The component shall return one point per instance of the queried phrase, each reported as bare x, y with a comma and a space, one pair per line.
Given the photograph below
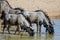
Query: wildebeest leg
8, 28
17, 29
40, 27
46, 29
4, 22
37, 27
4, 27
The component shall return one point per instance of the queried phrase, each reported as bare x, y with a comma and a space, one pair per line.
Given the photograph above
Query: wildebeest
39, 17
47, 22
18, 20
9, 16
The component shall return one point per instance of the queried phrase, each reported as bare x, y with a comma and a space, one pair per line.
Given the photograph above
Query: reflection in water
49, 37
36, 37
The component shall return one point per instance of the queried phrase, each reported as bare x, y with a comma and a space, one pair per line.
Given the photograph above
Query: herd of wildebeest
23, 19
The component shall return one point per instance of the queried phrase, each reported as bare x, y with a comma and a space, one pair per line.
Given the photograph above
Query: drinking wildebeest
18, 20
25, 24
47, 22
39, 17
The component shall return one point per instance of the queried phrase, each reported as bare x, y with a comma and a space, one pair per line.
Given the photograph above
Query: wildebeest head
28, 29
51, 29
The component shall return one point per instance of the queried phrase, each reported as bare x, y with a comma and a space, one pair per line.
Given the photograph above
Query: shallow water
37, 36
